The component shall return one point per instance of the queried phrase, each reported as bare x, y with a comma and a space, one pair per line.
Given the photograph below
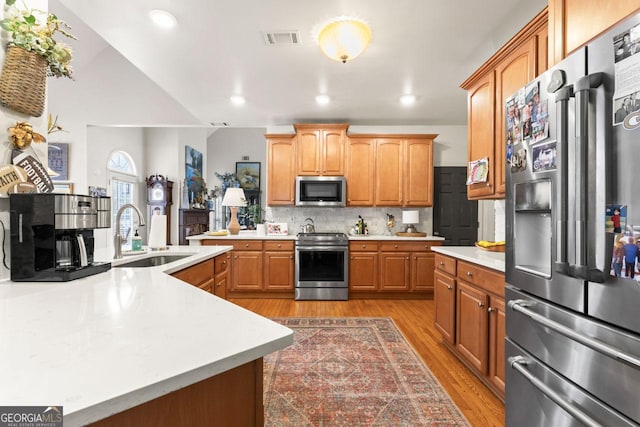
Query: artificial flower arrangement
36, 35
22, 134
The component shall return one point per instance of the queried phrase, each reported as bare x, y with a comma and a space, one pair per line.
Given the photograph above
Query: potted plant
32, 54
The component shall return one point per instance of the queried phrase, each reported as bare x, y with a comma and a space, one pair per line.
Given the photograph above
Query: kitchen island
122, 340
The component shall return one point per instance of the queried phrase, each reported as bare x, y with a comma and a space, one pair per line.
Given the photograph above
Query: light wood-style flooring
415, 319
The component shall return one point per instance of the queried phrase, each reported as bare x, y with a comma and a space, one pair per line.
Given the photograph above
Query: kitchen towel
158, 232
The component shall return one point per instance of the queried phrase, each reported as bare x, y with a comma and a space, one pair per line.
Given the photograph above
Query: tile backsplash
342, 219
500, 218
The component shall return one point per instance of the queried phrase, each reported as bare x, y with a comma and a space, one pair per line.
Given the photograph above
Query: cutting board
417, 234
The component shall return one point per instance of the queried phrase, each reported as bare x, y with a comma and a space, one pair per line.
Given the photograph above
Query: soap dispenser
136, 242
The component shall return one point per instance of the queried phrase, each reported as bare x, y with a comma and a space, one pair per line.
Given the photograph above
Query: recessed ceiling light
407, 100
163, 19
323, 99
237, 99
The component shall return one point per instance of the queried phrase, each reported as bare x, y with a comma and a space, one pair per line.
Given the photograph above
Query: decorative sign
10, 177
36, 172
59, 161
277, 229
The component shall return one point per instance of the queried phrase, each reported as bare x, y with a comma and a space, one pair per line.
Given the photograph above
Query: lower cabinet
259, 268
388, 268
470, 315
207, 275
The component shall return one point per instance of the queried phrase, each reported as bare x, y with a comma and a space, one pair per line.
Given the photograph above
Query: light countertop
195, 240
105, 343
493, 260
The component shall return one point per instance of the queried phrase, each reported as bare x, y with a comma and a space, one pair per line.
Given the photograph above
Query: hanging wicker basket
23, 82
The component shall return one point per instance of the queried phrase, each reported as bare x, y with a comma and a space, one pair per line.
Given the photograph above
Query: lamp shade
344, 38
410, 217
234, 197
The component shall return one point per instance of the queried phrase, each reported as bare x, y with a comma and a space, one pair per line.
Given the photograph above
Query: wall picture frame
193, 170
248, 175
58, 153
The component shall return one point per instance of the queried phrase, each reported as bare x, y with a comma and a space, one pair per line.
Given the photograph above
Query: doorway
454, 216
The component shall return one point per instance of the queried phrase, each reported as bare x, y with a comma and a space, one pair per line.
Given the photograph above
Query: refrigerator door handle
519, 364
521, 305
563, 96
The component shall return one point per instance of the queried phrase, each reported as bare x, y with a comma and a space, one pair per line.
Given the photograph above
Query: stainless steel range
322, 266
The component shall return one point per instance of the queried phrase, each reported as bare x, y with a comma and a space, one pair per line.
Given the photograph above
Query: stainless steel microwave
325, 191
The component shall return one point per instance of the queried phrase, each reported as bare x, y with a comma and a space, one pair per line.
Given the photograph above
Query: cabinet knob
480, 304
291, 257
246, 245
279, 245
407, 258
235, 257
490, 309
441, 263
364, 246
224, 262
415, 257
395, 246
449, 287
469, 274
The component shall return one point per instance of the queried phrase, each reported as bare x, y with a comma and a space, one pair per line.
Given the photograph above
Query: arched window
122, 186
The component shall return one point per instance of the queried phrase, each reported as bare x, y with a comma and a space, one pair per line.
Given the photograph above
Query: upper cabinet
390, 170
518, 62
281, 169
321, 149
572, 23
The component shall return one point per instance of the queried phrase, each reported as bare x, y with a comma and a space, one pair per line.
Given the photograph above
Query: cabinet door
247, 271
207, 286
394, 271
389, 173
445, 305
360, 171
308, 152
220, 285
278, 270
422, 269
418, 188
198, 274
542, 49
515, 71
497, 324
471, 325
481, 136
332, 156
281, 170
363, 271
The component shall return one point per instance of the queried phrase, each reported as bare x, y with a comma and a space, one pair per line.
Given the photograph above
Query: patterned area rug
352, 372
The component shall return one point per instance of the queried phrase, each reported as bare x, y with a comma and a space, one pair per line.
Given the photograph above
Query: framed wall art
58, 153
193, 170
248, 175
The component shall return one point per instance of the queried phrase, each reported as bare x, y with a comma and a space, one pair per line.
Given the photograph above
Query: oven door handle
519, 363
520, 306
322, 248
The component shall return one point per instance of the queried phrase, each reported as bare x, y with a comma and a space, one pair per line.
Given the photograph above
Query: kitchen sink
153, 261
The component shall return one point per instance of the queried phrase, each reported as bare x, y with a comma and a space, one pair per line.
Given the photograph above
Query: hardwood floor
415, 319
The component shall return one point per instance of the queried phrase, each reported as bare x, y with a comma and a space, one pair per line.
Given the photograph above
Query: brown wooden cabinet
209, 275
281, 169
278, 265
360, 171
470, 315
320, 148
418, 172
389, 172
387, 268
221, 270
514, 65
572, 23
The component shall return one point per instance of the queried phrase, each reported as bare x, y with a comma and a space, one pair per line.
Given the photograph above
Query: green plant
33, 35
255, 212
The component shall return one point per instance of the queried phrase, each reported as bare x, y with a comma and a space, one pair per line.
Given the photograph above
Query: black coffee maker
52, 236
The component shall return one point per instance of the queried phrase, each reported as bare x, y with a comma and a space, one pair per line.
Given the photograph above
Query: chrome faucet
117, 239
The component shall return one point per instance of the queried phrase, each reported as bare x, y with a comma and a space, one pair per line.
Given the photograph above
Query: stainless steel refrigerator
573, 239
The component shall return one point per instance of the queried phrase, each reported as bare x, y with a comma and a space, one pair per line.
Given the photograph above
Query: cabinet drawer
278, 245
360, 246
196, 274
446, 264
245, 245
221, 263
405, 246
489, 280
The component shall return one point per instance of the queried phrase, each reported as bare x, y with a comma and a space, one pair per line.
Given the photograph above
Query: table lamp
409, 218
233, 198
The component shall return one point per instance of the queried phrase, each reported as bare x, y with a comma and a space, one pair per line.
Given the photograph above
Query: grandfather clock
159, 200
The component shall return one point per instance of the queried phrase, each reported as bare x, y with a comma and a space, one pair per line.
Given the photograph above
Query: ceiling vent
220, 124
281, 38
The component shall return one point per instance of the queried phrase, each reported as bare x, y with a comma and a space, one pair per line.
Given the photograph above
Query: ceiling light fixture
323, 99
163, 19
407, 100
237, 100
344, 38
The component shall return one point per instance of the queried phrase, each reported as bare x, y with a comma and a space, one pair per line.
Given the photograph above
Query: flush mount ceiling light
323, 99
237, 100
408, 100
163, 19
344, 38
